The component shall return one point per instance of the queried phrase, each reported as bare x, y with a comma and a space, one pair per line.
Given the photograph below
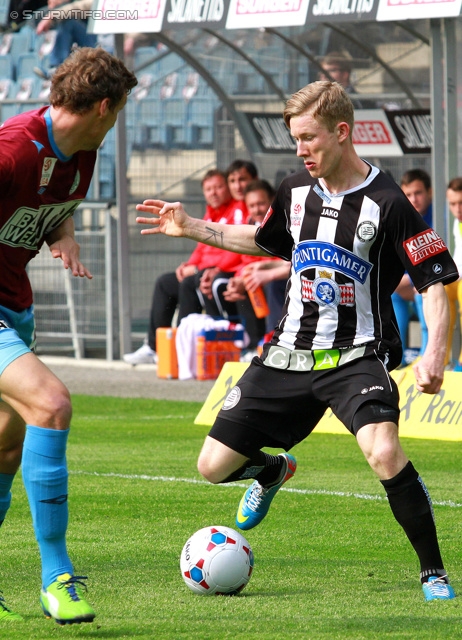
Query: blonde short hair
326, 101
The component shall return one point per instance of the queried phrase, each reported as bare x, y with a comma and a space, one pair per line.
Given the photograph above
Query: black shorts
279, 408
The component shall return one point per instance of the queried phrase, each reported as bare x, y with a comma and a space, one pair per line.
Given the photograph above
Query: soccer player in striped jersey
350, 233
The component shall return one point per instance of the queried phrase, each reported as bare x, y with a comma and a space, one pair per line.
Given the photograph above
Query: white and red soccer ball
216, 561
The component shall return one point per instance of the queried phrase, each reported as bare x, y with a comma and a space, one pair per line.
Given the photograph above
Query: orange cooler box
213, 349
167, 362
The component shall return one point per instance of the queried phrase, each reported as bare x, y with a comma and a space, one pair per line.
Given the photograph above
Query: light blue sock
6, 480
44, 472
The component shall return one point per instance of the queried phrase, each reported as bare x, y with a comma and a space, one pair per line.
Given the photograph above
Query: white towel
186, 339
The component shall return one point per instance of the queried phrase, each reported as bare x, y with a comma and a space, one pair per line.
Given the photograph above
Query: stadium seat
6, 66
150, 116
4, 10
26, 92
175, 123
44, 43
7, 92
200, 123
145, 55
25, 65
170, 63
249, 82
145, 87
21, 43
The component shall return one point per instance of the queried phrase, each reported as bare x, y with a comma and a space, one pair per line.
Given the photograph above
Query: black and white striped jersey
349, 252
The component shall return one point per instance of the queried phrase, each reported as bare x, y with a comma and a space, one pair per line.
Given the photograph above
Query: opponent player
46, 164
350, 233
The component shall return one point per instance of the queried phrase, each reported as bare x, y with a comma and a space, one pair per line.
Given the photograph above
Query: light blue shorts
17, 334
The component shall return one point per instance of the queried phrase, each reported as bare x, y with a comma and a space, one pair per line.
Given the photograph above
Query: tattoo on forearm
216, 236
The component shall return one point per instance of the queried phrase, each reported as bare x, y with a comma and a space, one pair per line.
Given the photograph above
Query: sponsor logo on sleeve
424, 245
47, 171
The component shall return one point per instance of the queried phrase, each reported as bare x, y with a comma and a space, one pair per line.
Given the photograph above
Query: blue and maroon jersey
39, 189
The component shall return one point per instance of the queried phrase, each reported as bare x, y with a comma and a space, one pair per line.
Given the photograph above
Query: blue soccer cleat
437, 589
256, 500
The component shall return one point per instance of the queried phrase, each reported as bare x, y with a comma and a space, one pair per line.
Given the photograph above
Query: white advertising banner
417, 9
126, 16
152, 16
254, 14
373, 135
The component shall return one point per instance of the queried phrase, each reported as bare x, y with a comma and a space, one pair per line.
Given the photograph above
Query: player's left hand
68, 250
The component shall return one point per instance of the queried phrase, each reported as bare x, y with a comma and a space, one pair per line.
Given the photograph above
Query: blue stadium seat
4, 10
8, 110
150, 119
25, 65
143, 55
6, 66
200, 123
7, 92
21, 42
170, 63
175, 123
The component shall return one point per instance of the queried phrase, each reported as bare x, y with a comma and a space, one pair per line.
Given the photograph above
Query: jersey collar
51, 139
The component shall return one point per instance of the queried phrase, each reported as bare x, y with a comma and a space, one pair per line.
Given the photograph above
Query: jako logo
374, 388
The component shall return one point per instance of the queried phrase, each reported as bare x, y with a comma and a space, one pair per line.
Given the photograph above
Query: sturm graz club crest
366, 231
326, 292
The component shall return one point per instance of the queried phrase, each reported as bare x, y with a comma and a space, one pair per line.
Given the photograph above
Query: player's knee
210, 470
383, 453
53, 408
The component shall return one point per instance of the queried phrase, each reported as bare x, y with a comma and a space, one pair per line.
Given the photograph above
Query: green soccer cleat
256, 501
63, 600
6, 613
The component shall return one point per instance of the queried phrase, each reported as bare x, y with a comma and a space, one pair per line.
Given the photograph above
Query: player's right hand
168, 218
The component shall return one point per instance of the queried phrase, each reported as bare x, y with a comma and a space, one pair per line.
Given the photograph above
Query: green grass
329, 562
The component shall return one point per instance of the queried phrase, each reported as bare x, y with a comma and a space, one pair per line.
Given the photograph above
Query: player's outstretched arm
170, 219
429, 370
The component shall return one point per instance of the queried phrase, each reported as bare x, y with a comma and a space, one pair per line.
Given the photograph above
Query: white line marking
307, 492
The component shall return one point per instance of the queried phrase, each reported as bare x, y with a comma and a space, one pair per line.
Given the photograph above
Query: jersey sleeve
422, 251
273, 235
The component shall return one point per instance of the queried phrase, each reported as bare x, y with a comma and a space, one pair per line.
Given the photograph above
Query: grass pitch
330, 560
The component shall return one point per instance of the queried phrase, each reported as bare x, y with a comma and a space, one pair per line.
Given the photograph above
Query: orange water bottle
258, 299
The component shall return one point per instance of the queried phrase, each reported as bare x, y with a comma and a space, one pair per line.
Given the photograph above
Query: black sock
263, 467
411, 505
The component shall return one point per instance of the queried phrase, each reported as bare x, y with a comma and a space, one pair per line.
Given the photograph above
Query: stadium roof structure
225, 18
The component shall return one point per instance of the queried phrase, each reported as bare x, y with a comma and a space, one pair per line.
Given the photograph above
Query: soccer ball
216, 561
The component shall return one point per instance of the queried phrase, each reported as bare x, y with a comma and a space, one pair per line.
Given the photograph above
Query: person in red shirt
257, 271
240, 173
46, 164
179, 289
